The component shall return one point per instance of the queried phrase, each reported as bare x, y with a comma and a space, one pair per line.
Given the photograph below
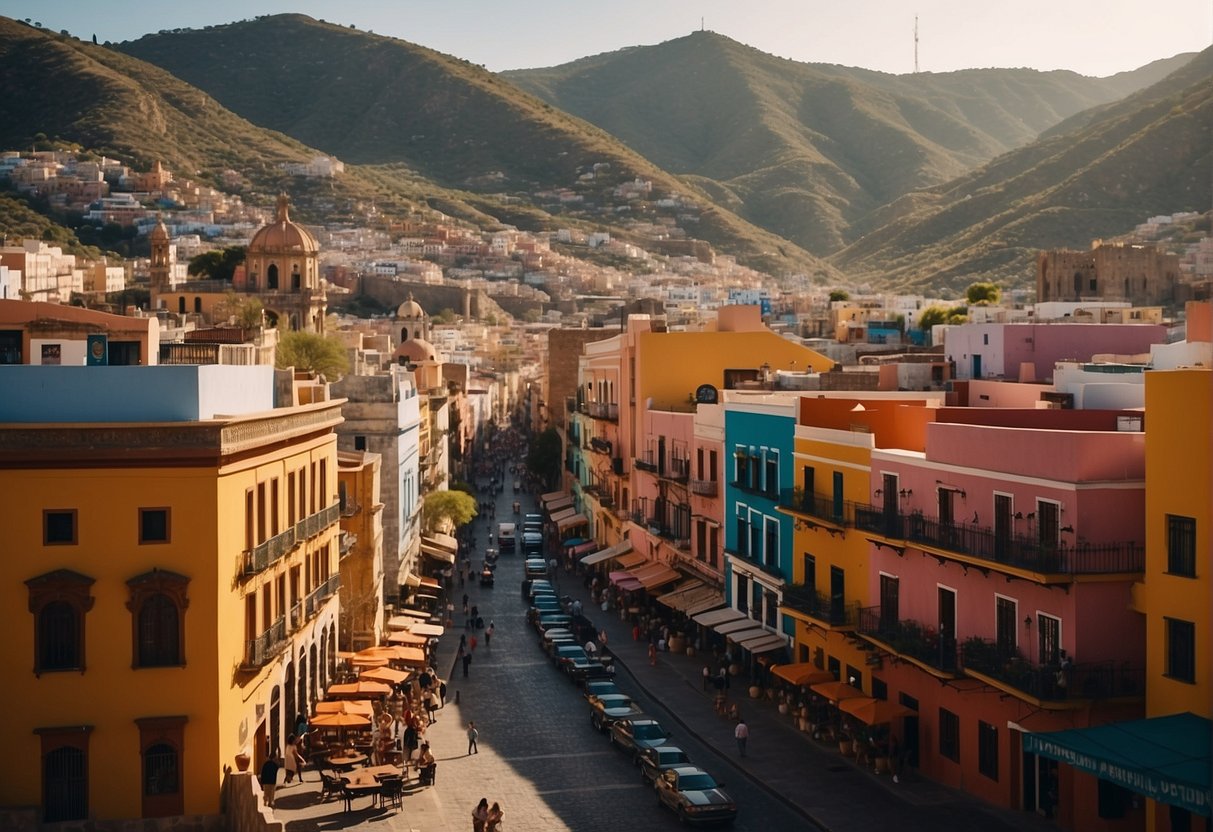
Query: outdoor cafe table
365, 781
346, 761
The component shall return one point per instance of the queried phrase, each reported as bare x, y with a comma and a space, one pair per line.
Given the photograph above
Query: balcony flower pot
242, 761
755, 692
677, 644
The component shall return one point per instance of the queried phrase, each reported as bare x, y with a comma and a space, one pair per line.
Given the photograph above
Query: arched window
59, 601
64, 784
404, 334
271, 277
296, 280
1077, 284
198, 305
181, 305
162, 750
157, 604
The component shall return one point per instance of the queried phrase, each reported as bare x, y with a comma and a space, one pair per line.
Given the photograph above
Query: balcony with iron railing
316, 598
969, 542
834, 612
600, 446
1007, 669
909, 639
258, 651
817, 506
678, 470
264, 555
645, 461
705, 488
754, 488
603, 410
294, 618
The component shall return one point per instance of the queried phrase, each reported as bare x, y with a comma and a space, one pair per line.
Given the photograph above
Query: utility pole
915, 44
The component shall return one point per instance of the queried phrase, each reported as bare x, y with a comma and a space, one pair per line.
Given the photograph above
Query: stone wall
392, 292
1139, 274
245, 807
560, 380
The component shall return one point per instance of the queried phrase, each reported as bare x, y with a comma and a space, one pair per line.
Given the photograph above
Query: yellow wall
1178, 465
673, 364
206, 544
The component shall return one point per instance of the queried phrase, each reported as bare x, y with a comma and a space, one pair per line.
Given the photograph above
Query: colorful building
172, 575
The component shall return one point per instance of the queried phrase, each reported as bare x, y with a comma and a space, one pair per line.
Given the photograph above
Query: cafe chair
392, 789
330, 786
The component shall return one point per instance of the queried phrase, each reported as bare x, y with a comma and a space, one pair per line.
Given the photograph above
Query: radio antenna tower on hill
915, 44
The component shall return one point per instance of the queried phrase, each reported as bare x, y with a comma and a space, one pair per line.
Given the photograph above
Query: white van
505, 538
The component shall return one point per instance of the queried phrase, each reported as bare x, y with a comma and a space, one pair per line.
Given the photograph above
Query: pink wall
1074, 456
1058, 342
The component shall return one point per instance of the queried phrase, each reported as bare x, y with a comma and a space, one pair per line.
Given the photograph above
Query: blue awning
1165, 758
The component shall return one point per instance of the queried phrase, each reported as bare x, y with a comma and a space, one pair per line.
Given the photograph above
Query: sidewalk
828, 789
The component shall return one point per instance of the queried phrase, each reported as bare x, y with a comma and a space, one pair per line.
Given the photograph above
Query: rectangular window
699, 464
261, 518
275, 517
1048, 631
810, 572
713, 540
250, 513
987, 750
743, 594
153, 525
879, 689
1181, 650
1006, 626
890, 603
712, 466
291, 516
359, 443
743, 537
949, 735
59, 527
324, 484
834, 666
1181, 546
772, 549
772, 473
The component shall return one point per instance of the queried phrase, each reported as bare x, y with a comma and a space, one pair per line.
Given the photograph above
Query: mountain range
923, 182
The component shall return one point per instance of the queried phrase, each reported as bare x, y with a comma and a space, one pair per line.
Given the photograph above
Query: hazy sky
1094, 37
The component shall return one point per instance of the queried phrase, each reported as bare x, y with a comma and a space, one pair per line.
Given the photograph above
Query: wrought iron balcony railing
838, 512
258, 651
833, 611
909, 638
603, 410
1054, 682
705, 488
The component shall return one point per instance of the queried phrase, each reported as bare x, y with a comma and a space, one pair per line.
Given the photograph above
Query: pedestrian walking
488, 635
707, 676
473, 735
293, 760
652, 654
493, 824
450, 609
269, 779
472, 644
467, 662
480, 815
741, 733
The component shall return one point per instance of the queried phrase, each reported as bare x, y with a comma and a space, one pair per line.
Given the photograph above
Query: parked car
547, 622
609, 708
653, 761
633, 735
561, 639
535, 568
596, 668
600, 688
695, 796
564, 654
540, 587
543, 605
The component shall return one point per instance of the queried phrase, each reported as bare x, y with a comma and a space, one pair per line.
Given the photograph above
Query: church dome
416, 350
410, 309
283, 236
159, 233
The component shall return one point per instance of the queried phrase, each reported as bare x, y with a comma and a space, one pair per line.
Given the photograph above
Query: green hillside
375, 100
1096, 176
807, 150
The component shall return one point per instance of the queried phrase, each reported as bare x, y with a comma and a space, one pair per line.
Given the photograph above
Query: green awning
1165, 758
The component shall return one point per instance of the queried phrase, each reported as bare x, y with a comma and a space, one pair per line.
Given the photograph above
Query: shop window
161, 750
157, 605
59, 527
153, 525
987, 749
64, 772
949, 735
59, 601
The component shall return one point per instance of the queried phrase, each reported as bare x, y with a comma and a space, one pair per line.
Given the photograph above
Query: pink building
1002, 562
1028, 352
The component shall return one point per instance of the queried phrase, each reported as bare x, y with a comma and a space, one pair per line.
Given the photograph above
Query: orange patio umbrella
407, 638
369, 661
340, 721
385, 675
837, 691
874, 711
363, 707
359, 690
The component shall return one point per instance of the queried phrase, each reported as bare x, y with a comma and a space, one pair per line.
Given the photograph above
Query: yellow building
1177, 593
830, 581
361, 549
171, 580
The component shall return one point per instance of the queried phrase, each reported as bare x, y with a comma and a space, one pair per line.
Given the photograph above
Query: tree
983, 294
248, 312
839, 294
446, 316
444, 511
935, 315
543, 459
217, 264
313, 353
532, 316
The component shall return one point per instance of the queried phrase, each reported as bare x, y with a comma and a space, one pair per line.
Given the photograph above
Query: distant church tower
282, 268
162, 258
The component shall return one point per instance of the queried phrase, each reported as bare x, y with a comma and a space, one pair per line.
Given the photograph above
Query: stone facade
1142, 275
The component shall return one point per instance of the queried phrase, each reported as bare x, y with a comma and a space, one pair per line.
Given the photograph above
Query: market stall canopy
436, 551
714, 617
572, 522
802, 673
631, 560
407, 638
359, 690
625, 581
557, 516
384, 674
562, 502
837, 691
874, 711
362, 707
609, 552
1165, 758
